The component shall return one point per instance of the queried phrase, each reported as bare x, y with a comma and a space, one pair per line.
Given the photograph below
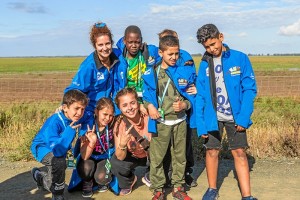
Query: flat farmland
46, 78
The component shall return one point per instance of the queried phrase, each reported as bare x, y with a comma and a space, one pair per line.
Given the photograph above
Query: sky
61, 28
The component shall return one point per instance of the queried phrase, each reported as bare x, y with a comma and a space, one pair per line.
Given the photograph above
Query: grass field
39, 64
54, 64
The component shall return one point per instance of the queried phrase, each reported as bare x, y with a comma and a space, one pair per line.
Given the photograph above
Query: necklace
139, 124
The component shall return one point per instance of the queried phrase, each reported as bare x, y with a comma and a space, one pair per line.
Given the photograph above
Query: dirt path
271, 180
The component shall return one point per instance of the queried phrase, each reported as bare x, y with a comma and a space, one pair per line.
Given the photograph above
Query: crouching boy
52, 142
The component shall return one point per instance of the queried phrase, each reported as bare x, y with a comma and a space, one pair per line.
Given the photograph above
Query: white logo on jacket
147, 72
100, 76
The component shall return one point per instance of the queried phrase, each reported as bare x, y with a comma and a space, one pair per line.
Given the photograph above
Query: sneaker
87, 189
58, 197
249, 198
210, 194
146, 180
102, 188
180, 194
158, 195
189, 180
125, 192
37, 177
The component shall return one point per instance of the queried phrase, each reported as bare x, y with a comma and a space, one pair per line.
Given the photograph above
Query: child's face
169, 56
104, 116
74, 112
129, 105
133, 43
214, 45
103, 46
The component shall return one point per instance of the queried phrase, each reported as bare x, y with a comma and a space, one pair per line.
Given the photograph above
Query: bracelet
122, 148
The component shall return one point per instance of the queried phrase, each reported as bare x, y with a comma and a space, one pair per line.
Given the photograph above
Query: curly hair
100, 29
207, 31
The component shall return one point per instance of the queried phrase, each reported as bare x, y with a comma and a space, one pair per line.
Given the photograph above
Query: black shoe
189, 180
58, 197
87, 189
37, 177
249, 198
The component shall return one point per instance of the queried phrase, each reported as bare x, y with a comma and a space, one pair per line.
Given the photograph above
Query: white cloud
290, 30
182, 7
242, 34
190, 38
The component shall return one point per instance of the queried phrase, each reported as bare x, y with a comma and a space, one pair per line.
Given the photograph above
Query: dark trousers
189, 150
54, 179
92, 169
124, 169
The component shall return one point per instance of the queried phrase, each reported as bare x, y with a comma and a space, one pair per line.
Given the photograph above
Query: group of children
136, 106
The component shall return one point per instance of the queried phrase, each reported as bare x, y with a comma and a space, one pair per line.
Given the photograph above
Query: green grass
269, 63
54, 64
275, 63
39, 64
19, 122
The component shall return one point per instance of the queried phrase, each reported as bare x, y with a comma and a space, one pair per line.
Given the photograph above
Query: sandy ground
270, 180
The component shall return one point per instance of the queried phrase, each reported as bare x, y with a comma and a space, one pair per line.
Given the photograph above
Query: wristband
122, 148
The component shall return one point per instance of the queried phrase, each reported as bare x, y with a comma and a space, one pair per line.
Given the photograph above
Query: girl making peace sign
96, 148
131, 140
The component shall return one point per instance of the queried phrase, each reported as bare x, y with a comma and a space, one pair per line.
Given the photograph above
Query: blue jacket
175, 73
96, 81
56, 135
240, 84
185, 59
75, 178
149, 53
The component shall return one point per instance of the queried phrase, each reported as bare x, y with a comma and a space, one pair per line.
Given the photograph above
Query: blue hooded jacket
96, 81
175, 73
56, 135
240, 84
